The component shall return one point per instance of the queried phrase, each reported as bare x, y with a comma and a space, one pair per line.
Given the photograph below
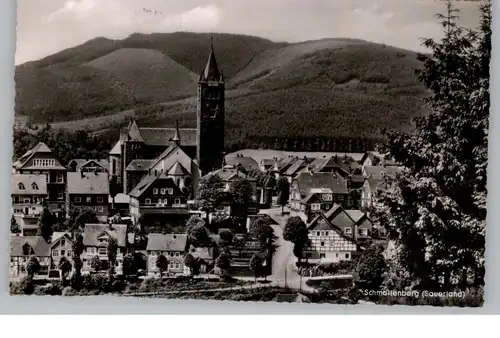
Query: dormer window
34, 186
21, 186
28, 250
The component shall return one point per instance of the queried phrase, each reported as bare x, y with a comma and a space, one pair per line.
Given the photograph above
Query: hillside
324, 88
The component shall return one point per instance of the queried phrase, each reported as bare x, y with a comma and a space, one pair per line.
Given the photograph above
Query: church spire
177, 139
211, 72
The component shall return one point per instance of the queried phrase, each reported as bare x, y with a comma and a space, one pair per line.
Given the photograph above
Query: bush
24, 287
54, 289
68, 291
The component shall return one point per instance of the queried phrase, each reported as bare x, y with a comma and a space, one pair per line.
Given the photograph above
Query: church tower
210, 116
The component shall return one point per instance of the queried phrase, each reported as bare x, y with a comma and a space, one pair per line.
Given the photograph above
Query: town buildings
61, 245
29, 193
89, 190
22, 248
173, 247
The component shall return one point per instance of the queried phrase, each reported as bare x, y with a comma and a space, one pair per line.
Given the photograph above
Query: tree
226, 237
79, 217
45, 224
65, 267
161, 264
210, 194
96, 263
198, 234
77, 248
128, 266
283, 188
295, 231
114, 189
261, 230
256, 263
14, 227
33, 266
112, 251
241, 192
435, 208
371, 268
223, 262
193, 264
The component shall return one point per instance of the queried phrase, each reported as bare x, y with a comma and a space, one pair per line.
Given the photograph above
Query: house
375, 177
40, 160
294, 169
332, 188
86, 165
95, 241
374, 158
120, 204
363, 224
22, 248
164, 189
332, 164
89, 190
328, 241
173, 247
247, 164
266, 164
61, 246
206, 256
29, 192
281, 165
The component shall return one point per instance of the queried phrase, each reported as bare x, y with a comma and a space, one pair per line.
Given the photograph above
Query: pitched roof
139, 165
229, 173
32, 184
166, 242
374, 183
40, 148
285, 162
321, 222
309, 197
88, 183
295, 167
307, 181
246, 162
27, 222
57, 235
92, 231
339, 217
356, 215
177, 170
211, 71
146, 181
39, 245
120, 198
117, 148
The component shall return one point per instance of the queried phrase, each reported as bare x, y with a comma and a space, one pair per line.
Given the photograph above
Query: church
140, 152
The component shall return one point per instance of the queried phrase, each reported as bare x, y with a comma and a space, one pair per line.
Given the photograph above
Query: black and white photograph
293, 151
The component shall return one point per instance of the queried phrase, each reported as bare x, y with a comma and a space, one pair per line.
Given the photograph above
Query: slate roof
88, 183
246, 162
39, 245
146, 182
30, 182
92, 231
374, 183
211, 71
167, 242
139, 165
338, 217
284, 163
307, 181
178, 170
39, 148
295, 167
356, 215
58, 235
117, 148
120, 198
163, 136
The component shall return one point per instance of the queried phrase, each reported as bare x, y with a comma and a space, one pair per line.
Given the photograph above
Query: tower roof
211, 72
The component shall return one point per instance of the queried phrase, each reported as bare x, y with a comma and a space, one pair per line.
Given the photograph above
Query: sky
45, 27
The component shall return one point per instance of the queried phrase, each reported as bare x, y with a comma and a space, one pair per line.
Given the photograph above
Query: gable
320, 223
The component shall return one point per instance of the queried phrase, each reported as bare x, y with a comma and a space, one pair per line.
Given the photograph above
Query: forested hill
314, 90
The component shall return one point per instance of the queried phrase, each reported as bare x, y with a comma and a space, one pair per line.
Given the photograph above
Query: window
27, 200
322, 233
63, 242
171, 254
44, 162
177, 201
308, 255
322, 255
78, 199
317, 233
60, 178
347, 255
148, 201
103, 251
322, 243
165, 201
170, 191
87, 263
70, 253
34, 186
155, 191
55, 253
340, 197
364, 232
94, 251
327, 197
100, 209
177, 254
99, 199
20, 186
113, 167
348, 231
89, 250
60, 195
315, 206
162, 191
88, 199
